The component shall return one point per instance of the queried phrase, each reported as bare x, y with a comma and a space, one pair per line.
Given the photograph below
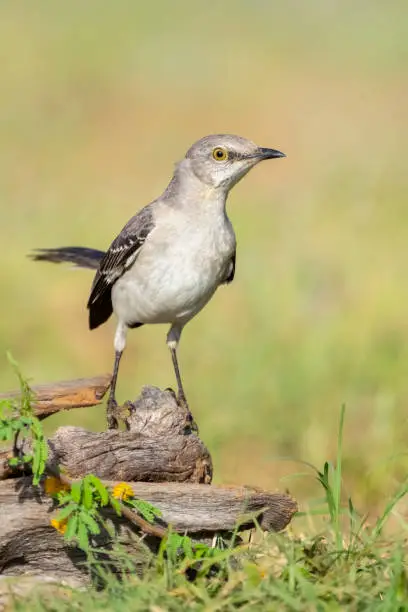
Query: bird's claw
190, 424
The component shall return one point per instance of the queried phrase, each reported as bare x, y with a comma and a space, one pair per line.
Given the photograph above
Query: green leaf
100, 488
6, 431
174, 542
82, 535
39, 463
40, 450
115, 505
198, 554
90, 522
26, 392
72, 526
144, 508
201, 548
187, 547
87, 495
6, 409
66, 511
14, 461
64, 498
76, 490
26, 421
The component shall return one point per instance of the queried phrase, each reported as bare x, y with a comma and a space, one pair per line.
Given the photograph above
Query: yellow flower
60, 526
53, 485
122, 491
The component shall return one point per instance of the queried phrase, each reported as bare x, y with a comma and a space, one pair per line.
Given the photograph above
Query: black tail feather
82, 257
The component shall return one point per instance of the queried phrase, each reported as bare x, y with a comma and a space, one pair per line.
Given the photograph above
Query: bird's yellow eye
220, 154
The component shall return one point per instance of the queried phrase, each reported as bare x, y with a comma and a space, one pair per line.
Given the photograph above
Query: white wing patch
130, 260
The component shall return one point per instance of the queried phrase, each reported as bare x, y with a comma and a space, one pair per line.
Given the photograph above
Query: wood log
65, 395
164, 462
28, 543
196, 508
129, 455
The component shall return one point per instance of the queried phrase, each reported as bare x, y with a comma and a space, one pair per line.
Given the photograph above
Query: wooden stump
164, 464
154, 447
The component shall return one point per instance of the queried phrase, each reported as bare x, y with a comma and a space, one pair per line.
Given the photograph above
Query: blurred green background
99, 99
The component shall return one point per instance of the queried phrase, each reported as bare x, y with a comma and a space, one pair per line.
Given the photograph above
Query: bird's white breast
179, 267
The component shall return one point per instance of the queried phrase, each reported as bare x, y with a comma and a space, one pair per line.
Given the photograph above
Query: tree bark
29, 545
65, 395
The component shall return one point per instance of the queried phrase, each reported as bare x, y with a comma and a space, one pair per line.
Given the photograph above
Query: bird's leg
112, 407
181, 397
173, 338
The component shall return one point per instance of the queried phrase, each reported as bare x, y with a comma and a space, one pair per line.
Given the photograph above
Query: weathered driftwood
66, 395
54, 397
196, 508
164, 462
28, 544
130, 455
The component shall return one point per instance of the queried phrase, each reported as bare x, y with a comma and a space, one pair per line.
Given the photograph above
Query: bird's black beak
269, 153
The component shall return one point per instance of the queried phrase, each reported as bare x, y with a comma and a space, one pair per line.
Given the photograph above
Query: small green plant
80, 503
181, 558
331, 480
18, 423
80, 519
79, 516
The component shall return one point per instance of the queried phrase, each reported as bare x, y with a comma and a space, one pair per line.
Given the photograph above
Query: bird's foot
112, 410
190, 424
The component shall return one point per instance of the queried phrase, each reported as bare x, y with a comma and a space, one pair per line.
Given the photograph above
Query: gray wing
231, 270
118, 258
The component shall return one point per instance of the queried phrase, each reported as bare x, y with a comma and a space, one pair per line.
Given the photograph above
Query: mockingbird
169, 259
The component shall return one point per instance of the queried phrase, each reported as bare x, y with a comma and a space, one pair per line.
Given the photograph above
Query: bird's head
221, 160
